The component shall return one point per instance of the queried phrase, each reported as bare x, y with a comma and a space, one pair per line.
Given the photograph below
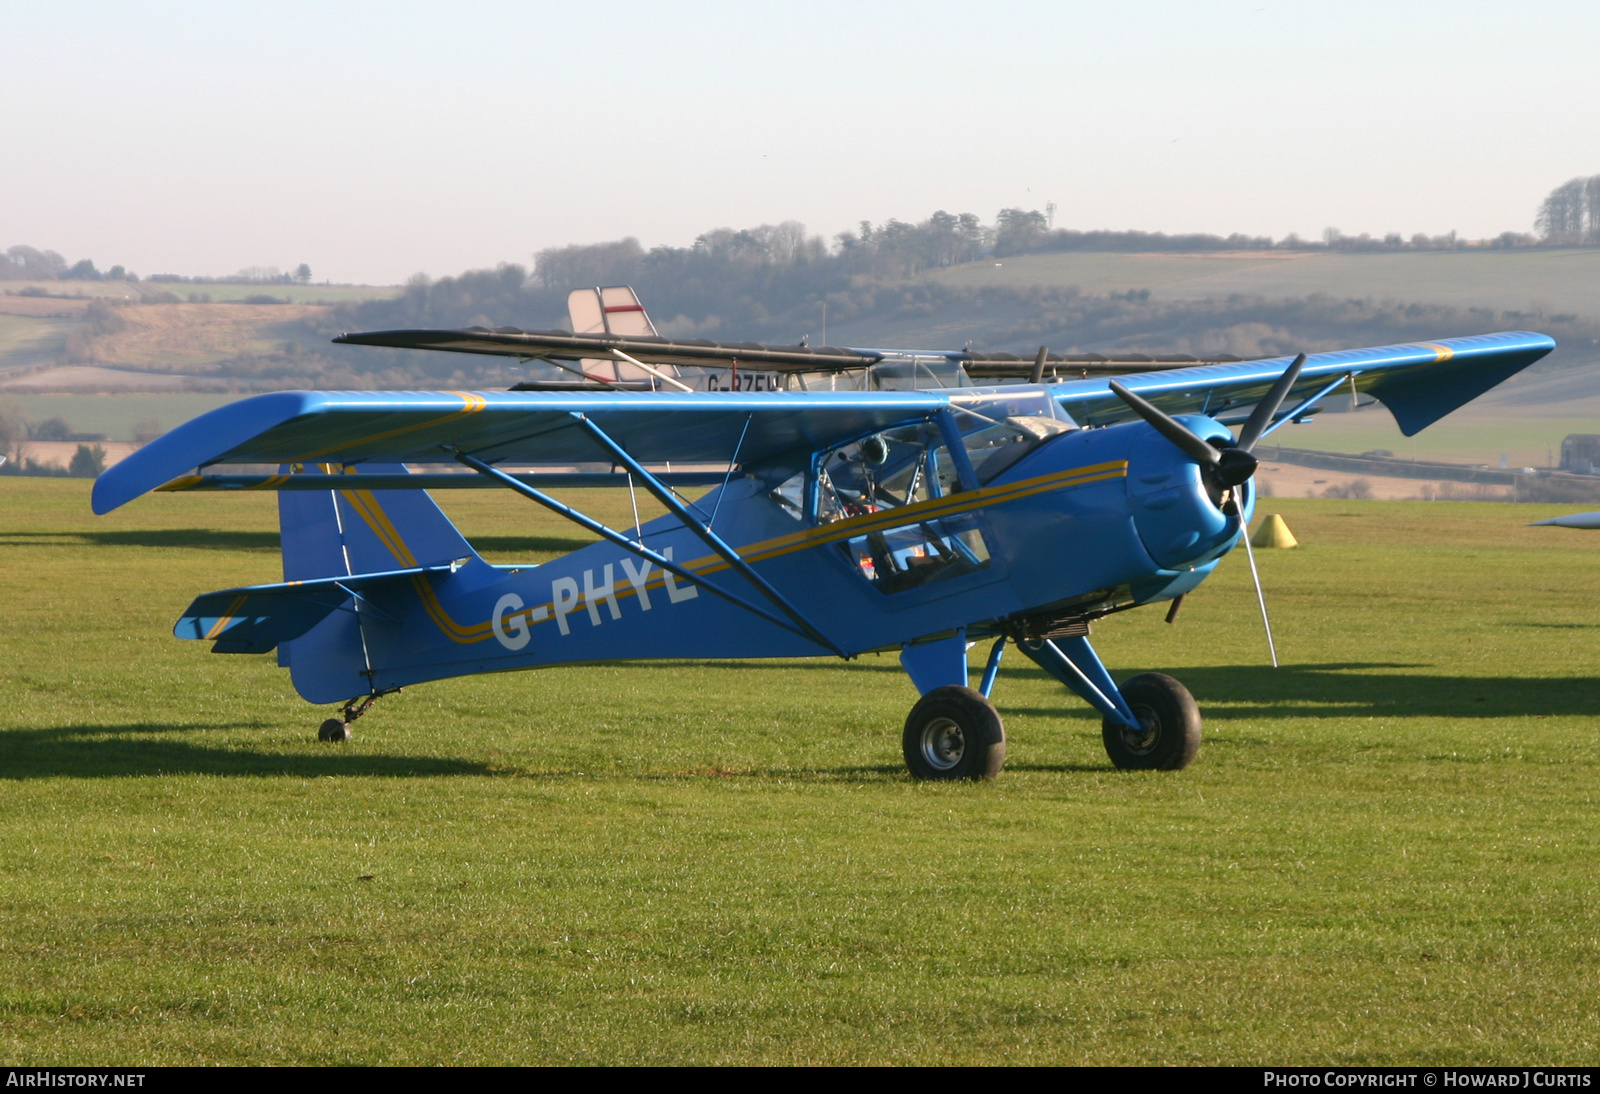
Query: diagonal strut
711, 539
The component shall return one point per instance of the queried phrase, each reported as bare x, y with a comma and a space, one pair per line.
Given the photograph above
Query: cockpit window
896, 467
868, 479
999, 429
912, 463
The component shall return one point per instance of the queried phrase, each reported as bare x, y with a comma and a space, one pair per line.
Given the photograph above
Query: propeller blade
1268, 407
1169, 427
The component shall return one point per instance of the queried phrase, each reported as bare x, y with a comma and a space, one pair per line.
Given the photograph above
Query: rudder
347, 530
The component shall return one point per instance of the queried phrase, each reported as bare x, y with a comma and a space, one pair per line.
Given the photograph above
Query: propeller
1226, 467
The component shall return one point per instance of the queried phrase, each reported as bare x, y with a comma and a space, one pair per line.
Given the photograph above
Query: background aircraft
613, 346
842, 522
1574, 520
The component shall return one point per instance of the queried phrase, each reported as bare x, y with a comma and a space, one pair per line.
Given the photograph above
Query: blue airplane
837, 523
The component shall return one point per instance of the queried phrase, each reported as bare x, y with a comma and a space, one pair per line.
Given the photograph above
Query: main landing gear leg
338, 729
953, 732
1151, 722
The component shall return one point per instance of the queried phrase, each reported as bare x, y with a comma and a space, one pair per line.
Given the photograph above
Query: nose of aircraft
1177, 529
1176, 511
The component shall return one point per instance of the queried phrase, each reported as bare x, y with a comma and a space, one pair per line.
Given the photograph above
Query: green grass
1385, 853
1539, 281
1098, 272
225, 292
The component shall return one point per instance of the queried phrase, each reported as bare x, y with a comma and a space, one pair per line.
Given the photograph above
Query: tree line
1571, 213
23, 263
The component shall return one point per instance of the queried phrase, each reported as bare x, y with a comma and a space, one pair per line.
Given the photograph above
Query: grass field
1384, 854
1100, 272
20, 334
1550, 281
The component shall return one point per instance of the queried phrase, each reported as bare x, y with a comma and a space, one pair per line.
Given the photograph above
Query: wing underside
1418, 382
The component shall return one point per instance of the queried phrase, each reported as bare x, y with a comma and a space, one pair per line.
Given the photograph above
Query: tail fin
347, 530
350, 531
613, 309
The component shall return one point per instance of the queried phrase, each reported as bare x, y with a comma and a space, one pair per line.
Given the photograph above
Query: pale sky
378, 140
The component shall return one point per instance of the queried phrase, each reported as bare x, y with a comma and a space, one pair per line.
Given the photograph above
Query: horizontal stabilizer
256, 618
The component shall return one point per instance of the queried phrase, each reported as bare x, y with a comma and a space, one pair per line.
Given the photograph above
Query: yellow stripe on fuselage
371, 512
950, 505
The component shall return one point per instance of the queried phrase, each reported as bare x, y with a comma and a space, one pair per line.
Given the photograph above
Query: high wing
342, 427
565, 345
1419, 382
655, 350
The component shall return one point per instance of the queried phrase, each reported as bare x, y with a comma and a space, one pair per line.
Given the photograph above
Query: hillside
1549, 281
162, 352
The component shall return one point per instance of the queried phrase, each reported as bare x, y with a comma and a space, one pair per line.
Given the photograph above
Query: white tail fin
613, 309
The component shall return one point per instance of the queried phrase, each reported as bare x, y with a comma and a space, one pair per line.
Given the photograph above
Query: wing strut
583, 520
1306, 404
732, 557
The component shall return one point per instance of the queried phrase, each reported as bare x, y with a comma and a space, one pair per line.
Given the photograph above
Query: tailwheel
954, 733
338, 729
1169, 733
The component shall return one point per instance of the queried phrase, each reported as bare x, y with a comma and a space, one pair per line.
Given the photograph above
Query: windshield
998, 428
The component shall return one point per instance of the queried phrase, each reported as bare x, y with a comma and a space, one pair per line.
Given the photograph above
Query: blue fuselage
1087, 520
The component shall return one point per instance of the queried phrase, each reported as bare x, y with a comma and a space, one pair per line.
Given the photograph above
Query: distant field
1550, 281
294, 294
25, 336
190, 337
1384, 855
1098, 273
116, 415
1529, 437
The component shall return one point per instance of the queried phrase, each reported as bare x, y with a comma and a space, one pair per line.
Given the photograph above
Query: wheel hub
943, 743
1142, 740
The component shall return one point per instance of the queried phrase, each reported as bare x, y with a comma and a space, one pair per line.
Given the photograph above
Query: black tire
954, 733
334, 729
1172, 726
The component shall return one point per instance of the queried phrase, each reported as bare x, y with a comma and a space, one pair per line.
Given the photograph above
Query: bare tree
1571, 212
27, 263
593, 264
